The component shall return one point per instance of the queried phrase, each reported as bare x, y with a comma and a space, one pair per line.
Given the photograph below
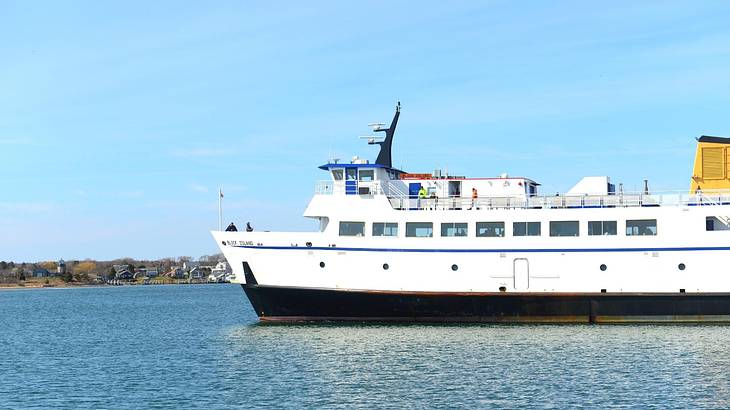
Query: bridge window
454, 229
601, 228
351, 174
385, 229
352, 228
367, 175
564, 228
419, 229
639, 227
337, 174
526, 229
490, 229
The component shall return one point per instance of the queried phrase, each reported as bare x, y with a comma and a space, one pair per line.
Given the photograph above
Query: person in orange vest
474, 196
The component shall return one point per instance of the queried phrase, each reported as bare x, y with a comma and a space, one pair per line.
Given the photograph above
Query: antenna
372, 139
376, 126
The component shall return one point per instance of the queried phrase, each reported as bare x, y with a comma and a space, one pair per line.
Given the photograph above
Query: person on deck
231, 228
421, 195
474, 196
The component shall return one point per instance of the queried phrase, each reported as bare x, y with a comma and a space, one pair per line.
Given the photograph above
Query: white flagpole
220, 209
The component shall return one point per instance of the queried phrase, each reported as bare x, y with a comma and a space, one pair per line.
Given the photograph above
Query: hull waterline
290, 304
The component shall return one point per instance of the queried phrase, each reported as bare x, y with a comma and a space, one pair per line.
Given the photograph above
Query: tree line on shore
89, 270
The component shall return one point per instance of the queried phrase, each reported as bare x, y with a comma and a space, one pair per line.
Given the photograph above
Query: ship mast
385, 157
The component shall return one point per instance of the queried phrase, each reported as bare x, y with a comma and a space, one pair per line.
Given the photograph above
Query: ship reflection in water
200, 347
503, 366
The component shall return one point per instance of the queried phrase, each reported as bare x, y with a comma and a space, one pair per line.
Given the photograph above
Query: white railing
402, 201
562, 201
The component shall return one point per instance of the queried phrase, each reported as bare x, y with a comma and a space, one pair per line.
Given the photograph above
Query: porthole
386, 266
502, 288
321, 264
224, 243
454, 267
603, 267
681, 266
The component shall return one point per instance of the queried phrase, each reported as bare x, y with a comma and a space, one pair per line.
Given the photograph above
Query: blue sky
118, 121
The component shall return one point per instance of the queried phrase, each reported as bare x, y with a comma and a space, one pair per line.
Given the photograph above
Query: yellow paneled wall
712, 164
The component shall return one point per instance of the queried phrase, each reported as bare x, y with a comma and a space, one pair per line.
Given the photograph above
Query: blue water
201, 347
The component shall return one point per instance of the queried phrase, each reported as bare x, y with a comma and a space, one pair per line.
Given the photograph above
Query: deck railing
402, 201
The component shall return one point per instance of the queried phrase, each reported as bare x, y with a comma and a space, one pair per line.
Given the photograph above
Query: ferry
399, 246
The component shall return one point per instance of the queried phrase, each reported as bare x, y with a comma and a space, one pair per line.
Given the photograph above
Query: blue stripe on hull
525, 250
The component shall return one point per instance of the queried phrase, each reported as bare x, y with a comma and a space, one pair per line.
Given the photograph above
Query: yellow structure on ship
712, 165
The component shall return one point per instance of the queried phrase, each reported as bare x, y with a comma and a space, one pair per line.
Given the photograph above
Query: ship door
454, 189
413, 189
455, 194
521, 273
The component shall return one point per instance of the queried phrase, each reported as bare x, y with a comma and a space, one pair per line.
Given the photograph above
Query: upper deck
413, 192
402, 200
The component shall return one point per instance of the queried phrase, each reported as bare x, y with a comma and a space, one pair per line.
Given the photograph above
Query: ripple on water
201, 346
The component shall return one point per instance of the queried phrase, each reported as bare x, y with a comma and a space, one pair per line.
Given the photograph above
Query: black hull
290, 304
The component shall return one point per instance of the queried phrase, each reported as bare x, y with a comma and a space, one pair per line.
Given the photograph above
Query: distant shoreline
6, 286
33, 287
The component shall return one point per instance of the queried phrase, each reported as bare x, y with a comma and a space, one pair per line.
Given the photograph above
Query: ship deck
401, 201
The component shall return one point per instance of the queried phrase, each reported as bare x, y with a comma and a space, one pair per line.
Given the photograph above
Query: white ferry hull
295, 282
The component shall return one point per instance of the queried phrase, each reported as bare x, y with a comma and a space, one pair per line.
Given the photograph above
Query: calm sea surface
201, 347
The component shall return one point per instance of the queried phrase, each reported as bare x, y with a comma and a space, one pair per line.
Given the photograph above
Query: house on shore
123, 272
176, 272
198, 272
39, 272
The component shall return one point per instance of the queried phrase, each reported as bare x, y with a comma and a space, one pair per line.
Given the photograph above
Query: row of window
634, 227
351, 174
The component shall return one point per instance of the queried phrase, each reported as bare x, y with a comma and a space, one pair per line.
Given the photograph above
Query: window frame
387, 227
555, 233
602, 230
494, 228
638, 227
409, 224
528, 225
369, 172
349, 173
361, 233
445, 226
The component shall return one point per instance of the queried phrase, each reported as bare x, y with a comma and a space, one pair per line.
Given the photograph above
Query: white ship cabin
446, 192
363, 191
424, 191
